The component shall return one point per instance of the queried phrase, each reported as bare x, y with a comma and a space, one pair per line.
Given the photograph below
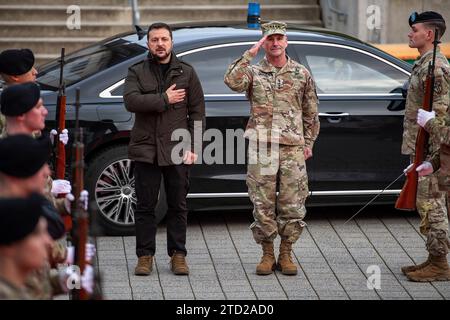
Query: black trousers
147, 184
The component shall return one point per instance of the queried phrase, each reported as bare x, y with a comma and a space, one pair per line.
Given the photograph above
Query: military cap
22, 156
19, 98
19, 217
427, 16
273, 27
15, 62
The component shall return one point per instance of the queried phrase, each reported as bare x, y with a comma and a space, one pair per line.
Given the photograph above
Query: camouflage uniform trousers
2, 124
283, 215
432, 208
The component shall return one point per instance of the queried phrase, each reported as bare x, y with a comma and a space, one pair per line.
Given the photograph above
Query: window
87, 62
211, 65
340, 71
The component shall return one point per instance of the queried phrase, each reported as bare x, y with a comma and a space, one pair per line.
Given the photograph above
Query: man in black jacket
166, 95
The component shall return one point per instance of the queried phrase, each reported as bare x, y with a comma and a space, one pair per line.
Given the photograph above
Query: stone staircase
41, 24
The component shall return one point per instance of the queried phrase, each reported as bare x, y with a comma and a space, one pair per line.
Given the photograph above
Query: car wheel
110, 182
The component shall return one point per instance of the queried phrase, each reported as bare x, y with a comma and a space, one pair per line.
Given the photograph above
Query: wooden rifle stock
59, 147
60, 152
79, 212
408, 195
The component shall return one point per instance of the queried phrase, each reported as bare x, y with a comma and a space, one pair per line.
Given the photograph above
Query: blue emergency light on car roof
253, 15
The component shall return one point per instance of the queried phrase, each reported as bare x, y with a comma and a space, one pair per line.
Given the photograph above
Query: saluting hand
254, 50
175, 95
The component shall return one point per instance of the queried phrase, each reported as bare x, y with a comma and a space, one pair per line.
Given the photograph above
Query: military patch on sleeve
438, 87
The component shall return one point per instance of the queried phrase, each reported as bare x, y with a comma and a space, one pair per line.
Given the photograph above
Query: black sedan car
361, 112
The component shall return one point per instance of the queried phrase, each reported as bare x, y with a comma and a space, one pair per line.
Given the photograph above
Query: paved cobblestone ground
333, 260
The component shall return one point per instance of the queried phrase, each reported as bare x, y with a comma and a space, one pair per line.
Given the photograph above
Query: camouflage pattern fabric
283, 121
441, 159
2, 124
431, 202
415, 96
10, 292
44, 284
283, 215
283, 102
432, 208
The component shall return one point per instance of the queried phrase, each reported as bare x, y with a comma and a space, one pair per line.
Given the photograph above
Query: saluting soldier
24, 243
282, 128
431, 202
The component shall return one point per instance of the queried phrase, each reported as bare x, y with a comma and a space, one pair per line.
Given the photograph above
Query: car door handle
334, 117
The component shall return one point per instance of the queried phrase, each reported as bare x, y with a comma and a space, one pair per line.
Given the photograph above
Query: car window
211, 65
339, 71
87, 62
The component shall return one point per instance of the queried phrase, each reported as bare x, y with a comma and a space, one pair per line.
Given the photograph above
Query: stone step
168, 13
152, 2
59, 29
88, 29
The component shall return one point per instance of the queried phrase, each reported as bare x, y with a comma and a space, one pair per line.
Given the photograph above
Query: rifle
59, 153
80, 230
408, 195
79, 209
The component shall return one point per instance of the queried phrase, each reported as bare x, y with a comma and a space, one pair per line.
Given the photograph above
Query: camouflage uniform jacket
44, 284
283, 102
8, 291
414, 99
2, 123
441, 160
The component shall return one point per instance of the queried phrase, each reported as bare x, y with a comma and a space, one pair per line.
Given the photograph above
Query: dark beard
161, 58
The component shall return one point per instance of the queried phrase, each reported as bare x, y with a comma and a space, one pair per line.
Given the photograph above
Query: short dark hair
159, 25
440, 25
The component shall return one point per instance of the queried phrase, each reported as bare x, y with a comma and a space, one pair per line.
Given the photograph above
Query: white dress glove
408, 168
425, 169
424, 116
68, 202
63, 137
90, 253
61, 187
87, 279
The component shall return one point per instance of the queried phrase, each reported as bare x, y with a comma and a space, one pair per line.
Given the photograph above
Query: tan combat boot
285, 263
437, 270
267, 263
178, 264
413, 268
144, 266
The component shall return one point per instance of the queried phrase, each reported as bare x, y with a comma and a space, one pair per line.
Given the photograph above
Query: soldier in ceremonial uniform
438, 269
16, 66
24, 243
25, 114
282, 128
431, 201
23, 171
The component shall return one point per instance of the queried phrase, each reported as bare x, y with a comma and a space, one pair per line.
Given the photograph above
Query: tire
112, 170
